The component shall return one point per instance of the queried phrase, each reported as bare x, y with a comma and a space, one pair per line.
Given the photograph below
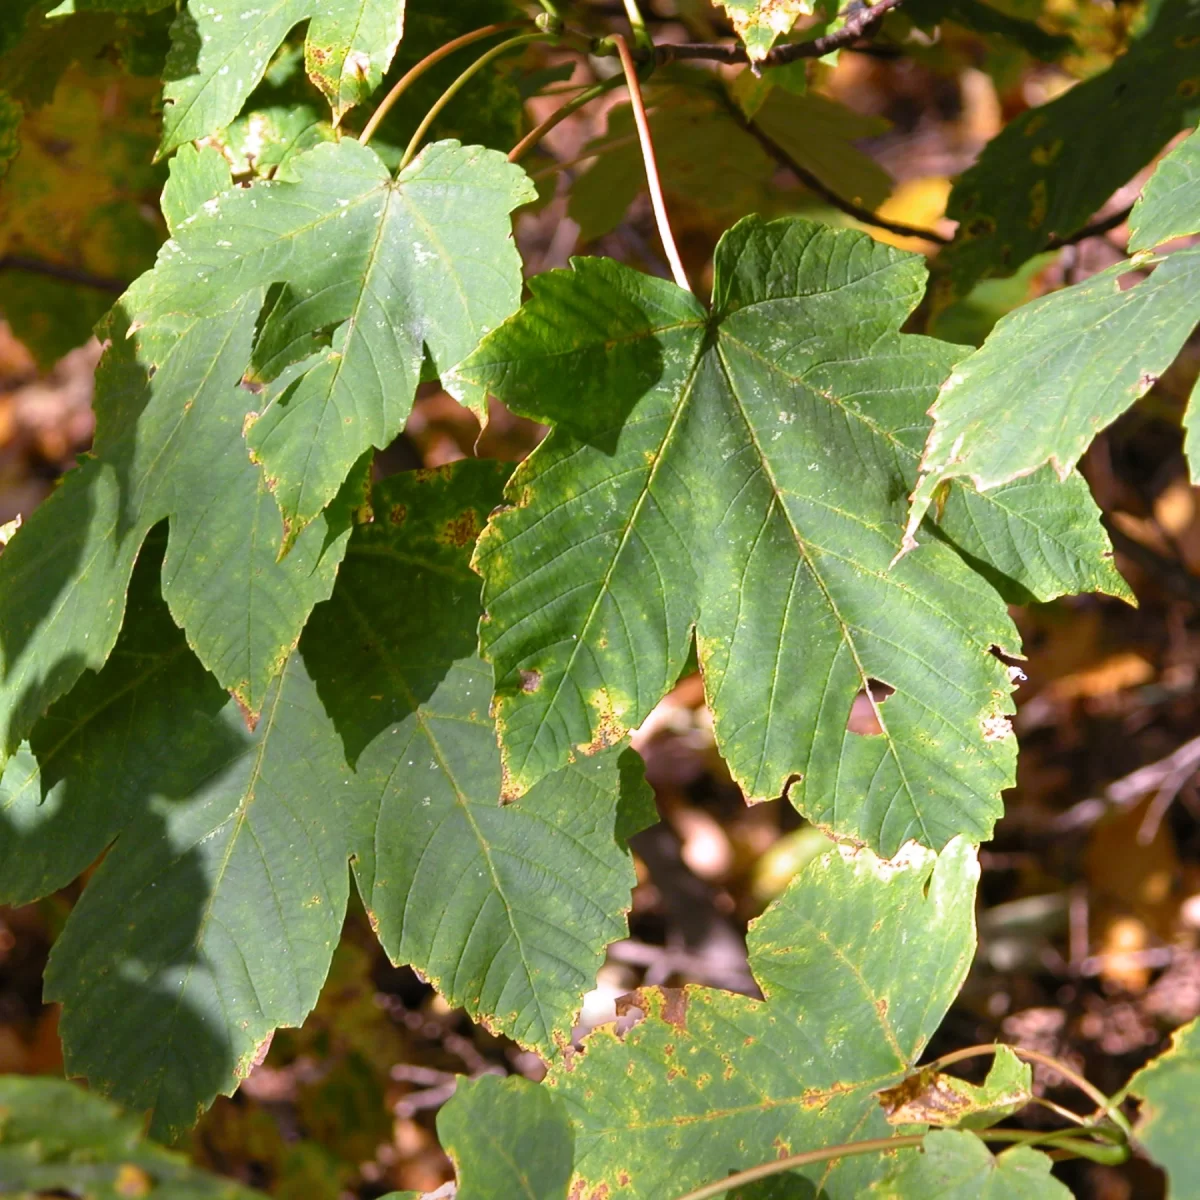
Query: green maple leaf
212, 919
743, 474
1086, 353
60, 1140
374, 270
540, 887
220, 51
506, 1137
1167, 207
858, 961
168, 443
1054, 166
954, 1165
1166, 1120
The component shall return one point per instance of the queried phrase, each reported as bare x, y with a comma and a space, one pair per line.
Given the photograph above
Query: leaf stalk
641, 36
482, 61
1067, 1142
657, 200
559, 115
430, 60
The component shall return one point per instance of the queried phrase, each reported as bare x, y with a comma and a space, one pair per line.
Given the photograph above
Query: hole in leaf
863, 719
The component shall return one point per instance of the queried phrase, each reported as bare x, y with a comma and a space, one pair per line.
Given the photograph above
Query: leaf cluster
241, 666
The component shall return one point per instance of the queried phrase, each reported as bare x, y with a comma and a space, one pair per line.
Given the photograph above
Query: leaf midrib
848, 641
240, 815
681, 407
461, 799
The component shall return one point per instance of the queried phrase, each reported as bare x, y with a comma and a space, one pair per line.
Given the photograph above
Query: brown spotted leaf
220, 51
931, 1097
760, 22
858, 961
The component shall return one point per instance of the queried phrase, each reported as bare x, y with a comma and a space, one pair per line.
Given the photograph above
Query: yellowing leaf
220, 51
760, 22
931, 1097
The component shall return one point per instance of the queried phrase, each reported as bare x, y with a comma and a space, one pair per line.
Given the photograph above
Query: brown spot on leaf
674, 1009
461, 530
631, 1000
255, 1058
432, 474
1046, 153
398, 513
925, 1097
131, 1181
609, 728
1145, 382
1038, 204
530, 681
1188, 88
820, 1097
510, 789
782, 1149
248, 716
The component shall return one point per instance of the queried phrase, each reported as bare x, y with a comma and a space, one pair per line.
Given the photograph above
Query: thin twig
559, 115
855, 27
35, 266
1065, 1139
1095, 229
766, 1170
430, 60
1166, 776
482, 61
1154, 958
865, 215
652, 177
